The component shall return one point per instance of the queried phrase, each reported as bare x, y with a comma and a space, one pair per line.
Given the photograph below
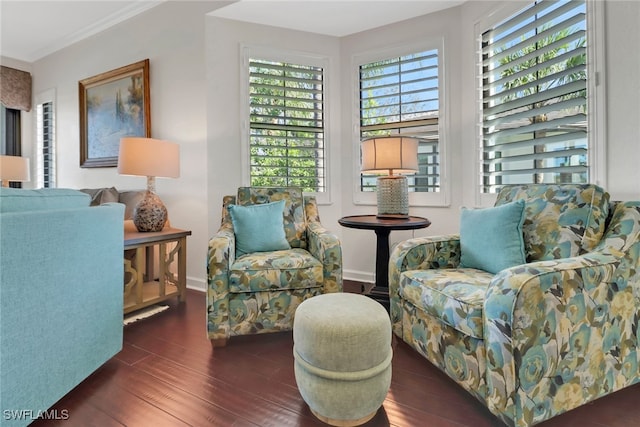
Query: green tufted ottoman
342, 352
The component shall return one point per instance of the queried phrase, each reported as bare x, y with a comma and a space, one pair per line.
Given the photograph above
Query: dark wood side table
382, 228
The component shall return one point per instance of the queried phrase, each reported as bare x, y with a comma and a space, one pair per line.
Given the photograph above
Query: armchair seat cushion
277, 270
454, 296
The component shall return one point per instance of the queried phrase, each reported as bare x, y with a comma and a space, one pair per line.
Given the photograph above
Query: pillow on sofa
130, 199
491, 239
259, 228
101, 195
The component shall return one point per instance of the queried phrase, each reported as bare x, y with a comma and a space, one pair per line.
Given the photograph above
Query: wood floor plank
182, 405
252, 403
169, 375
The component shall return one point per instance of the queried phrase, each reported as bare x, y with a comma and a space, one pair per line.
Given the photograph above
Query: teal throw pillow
491, 239
259, 228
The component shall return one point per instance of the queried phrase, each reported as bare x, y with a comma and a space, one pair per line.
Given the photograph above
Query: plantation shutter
400, 96
286, 125
46, 149
535, 97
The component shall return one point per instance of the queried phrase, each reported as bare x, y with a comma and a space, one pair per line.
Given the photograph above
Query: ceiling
30, 30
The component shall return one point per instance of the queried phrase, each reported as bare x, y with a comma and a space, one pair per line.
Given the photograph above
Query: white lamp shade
397, 154
14, 168
149, 157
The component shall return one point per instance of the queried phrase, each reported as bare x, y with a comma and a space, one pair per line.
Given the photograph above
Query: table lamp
14, 168
151, 158
391, 154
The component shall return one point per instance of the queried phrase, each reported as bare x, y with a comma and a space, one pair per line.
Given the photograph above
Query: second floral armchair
259, 292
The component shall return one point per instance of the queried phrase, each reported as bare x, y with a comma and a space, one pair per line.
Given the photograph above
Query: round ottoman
342, 352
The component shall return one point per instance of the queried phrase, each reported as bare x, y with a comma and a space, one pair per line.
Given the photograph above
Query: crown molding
127, 12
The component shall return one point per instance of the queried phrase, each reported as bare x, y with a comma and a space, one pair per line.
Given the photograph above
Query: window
45, 144
534, 97
11, 140
10, 123
401, 96
286, 125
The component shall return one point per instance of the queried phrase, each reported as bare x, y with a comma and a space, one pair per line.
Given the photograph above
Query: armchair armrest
325, 247
221, 254
558, 334
561, 333
419, 253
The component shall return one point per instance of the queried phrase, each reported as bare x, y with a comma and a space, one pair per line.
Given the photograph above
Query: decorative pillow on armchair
259, 228
491, 239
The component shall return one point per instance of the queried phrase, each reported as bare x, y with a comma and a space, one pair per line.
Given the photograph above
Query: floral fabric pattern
288, 269
262, 312
258, 293
555, 334
455, 296
560, 220
458, 355
420, 253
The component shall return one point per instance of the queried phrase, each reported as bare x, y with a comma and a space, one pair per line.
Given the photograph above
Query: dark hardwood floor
168, 375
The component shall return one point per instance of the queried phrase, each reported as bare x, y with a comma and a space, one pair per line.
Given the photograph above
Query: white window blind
46, 145
400, 96
534, 108
286, 139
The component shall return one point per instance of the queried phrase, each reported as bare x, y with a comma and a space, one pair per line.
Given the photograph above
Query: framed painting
113, 105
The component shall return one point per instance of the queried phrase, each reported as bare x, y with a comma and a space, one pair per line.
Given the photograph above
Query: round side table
382, 227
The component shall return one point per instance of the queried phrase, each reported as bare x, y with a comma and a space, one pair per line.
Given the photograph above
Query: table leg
381, 290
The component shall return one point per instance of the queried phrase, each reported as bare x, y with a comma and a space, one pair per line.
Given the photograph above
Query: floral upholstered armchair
258, 292
534, 340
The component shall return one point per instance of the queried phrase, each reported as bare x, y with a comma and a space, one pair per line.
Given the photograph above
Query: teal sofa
61, 273
537, 339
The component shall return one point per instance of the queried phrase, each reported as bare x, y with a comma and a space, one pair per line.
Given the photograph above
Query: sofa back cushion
101, 195
295, 224
560, 221
130, 199
22, 200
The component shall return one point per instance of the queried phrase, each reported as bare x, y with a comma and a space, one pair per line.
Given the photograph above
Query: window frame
596, 117
294, 57
417, 199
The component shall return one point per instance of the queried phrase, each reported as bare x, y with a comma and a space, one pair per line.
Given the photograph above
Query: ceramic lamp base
393, 197
150, 214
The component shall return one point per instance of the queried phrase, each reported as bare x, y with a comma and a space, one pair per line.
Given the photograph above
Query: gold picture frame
113, 105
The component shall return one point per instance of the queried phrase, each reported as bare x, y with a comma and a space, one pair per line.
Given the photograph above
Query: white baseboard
358, 276
196, 284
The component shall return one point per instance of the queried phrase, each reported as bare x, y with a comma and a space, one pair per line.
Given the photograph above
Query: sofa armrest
221, 255
325, 247
558, 334
61, 282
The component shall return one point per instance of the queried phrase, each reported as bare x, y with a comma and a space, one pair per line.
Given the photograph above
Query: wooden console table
144, 287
